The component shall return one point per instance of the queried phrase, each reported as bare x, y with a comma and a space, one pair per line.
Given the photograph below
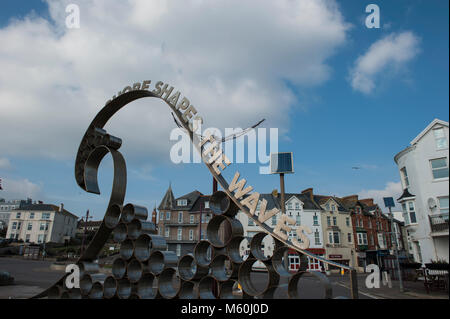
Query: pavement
34, 276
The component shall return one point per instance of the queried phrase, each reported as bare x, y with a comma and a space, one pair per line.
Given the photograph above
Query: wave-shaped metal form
199, 273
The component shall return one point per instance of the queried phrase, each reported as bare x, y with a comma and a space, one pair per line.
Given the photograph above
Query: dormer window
182, 202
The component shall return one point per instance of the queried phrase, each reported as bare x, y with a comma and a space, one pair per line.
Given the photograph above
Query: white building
304, 211
6, 207
424, 176
39, 223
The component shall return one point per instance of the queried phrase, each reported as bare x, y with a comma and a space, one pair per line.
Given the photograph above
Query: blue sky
328, 123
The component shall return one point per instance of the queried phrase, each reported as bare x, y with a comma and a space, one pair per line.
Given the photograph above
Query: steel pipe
293, 284
109, 287
87, 267
169, 283
188, 269
221, 204
123, 288
88, 280
112, 216
205, 287
131, 211
138, 227
219, 269
134, 270
188, 290
96, 291
127, 249
256, 244
120, 232
213, 228
234, 249
279, 263
201, 255
159, 260
75, 293
246, 282
145, 244
145, 286
119, 268
226, 290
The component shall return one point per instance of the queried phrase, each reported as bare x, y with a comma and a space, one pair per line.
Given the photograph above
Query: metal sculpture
144, 268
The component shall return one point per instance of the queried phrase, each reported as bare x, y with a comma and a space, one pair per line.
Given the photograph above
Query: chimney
61, 207
308, 191
154, 216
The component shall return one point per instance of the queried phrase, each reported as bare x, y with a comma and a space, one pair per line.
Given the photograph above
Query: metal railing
439, 223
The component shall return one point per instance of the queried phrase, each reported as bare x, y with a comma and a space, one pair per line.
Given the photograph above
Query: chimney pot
61, 207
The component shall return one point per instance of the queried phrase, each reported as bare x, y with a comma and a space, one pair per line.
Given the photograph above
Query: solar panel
388, 202
281, 163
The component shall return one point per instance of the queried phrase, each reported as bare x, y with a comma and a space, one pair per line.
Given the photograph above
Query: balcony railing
439, 223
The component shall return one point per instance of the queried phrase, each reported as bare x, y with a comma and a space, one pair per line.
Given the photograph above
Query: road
32, 276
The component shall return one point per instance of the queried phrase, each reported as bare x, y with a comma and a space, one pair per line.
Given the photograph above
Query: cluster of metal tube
145, 269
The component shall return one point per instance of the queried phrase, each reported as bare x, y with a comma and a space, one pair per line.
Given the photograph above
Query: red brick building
372, 232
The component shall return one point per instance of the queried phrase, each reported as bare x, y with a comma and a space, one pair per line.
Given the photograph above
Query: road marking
359, 291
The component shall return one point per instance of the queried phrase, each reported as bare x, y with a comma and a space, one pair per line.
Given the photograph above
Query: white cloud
20, 189
5, 164
231, 58
388, 54
392, 189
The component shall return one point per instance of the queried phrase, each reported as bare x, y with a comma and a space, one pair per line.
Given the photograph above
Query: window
328, 220
191, 219
251, 222
441, 141
334, 221
347, 221
31, 215
30, 226
412, 212
297, 206
191, 234
317, 237
443, 204
315, 220
439, 168
404, 176
333, 237
180, 234
405, 214
19, 225
45, 215
274, 220
14, 225
180, 217
333, 207
167, 232
178, 250
290, 206
297, 220
18, 215
362, 238
27, 238
40, 239
168, 216
182, 202
206, 204
349, 237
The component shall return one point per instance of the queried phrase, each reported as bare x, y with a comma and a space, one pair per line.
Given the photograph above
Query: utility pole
85, 231
394, 243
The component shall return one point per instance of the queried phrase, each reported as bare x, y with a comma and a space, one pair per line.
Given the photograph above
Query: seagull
356, 167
